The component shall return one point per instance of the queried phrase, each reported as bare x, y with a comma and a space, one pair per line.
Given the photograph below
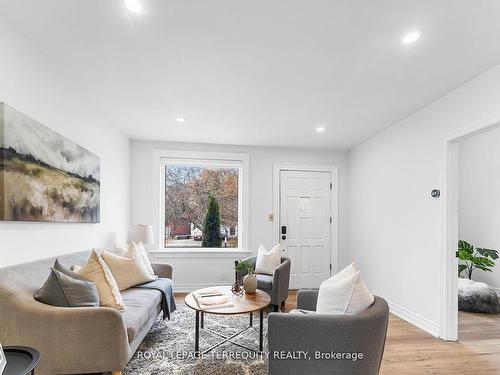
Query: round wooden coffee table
245, 304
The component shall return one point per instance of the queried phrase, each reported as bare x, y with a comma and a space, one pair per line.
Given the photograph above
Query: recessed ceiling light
133, 5
320, 129
411, 37
180, 119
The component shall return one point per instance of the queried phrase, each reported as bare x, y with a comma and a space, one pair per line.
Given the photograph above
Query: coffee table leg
261, 329
202, 320
197, 333
251, 319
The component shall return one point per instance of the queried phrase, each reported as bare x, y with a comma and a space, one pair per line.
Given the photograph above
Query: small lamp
142, 233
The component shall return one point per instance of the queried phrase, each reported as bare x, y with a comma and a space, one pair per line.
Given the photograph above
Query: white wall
479, 197
395, 230
32, 85
191, 272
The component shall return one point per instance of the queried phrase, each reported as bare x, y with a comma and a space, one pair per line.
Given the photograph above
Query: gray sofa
276, 285
310, 332
74, 340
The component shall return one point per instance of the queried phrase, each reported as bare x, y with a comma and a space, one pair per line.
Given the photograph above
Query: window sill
196, 253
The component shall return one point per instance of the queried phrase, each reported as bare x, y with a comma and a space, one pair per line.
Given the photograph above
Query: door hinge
330, 219
331, 186
330, 266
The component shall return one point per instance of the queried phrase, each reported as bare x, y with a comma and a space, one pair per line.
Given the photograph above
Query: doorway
455, 207
306, 222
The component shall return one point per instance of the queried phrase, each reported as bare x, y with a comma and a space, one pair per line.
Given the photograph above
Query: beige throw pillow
128, 272
134, 249
96, 270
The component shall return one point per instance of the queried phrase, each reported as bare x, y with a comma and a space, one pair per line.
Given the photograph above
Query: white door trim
449, 264
334, 210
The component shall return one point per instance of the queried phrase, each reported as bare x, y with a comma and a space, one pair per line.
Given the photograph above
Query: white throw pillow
347, 294
127, 272
134, 249
346, 272
267, 261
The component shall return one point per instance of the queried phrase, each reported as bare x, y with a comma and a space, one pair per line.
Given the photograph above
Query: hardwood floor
411, 351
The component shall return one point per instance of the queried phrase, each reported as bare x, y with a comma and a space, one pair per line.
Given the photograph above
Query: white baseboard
414, 319
187, 288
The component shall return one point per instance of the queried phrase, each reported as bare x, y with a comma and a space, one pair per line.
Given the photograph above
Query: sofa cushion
264, 282
140, 305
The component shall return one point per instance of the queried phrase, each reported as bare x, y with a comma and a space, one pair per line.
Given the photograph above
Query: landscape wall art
43, 175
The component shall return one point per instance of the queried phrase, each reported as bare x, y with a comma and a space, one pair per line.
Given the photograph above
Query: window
201, 201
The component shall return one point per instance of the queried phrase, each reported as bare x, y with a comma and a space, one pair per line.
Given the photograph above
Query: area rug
169, 347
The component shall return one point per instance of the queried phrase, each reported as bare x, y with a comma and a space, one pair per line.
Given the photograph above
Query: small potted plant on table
250, 280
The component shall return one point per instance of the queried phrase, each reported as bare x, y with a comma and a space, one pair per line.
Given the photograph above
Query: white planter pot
250, 283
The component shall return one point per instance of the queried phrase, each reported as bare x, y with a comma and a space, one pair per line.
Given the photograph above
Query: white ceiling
262, 72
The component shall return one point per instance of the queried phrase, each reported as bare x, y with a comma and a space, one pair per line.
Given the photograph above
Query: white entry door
305, 225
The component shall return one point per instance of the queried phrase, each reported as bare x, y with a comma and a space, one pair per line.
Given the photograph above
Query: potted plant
250, 280
483, 259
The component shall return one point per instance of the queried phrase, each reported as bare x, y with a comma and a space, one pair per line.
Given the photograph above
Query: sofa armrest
165, 270
70, 339
307, 299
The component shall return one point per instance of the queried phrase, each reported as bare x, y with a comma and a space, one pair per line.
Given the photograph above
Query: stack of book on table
212, 299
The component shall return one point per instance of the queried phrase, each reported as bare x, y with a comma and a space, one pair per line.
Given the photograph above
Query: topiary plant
483, 259
211, 225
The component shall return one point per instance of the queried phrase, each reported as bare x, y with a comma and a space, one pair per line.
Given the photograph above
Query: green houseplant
244, 265
478, 258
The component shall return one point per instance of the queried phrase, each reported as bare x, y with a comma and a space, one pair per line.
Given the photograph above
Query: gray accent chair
276, 285
323, 333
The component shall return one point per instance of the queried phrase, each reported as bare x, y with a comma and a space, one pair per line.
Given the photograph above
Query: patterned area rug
168, 348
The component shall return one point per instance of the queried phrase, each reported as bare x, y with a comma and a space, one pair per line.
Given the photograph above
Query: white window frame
230, 160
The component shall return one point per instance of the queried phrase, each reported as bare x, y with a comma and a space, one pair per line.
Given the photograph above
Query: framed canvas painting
43, 175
